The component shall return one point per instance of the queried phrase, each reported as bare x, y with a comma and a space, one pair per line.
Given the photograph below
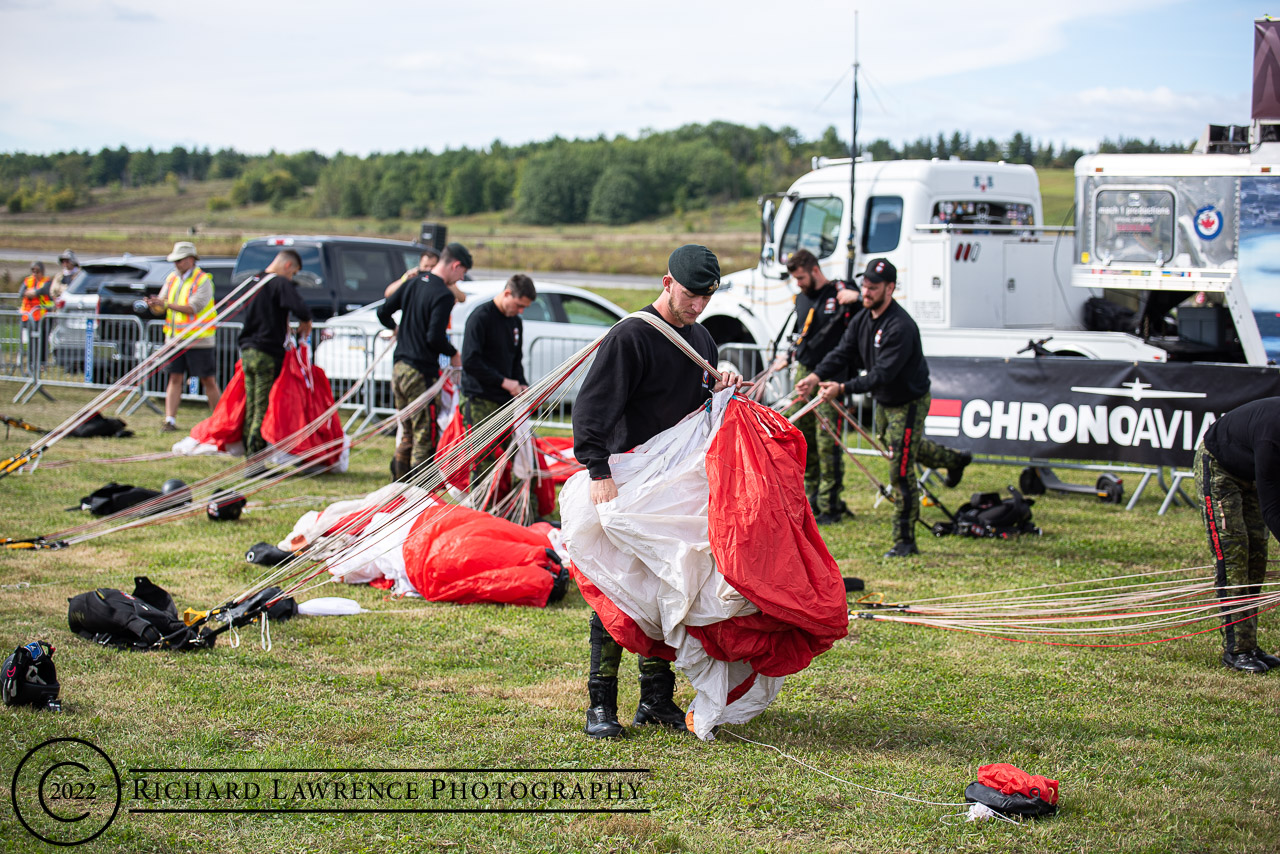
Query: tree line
556, 181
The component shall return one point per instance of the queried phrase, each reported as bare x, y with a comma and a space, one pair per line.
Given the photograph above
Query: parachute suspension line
418, 490
883, 490
228, 307
818, 770
165, 508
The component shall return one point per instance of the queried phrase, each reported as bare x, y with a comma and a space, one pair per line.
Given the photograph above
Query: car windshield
255, 257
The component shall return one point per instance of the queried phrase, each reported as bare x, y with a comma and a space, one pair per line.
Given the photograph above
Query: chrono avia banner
1083, 409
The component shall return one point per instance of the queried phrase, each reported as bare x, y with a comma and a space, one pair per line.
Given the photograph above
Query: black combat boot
1246, 661
399, 469
955, 473
602, 717
656, 703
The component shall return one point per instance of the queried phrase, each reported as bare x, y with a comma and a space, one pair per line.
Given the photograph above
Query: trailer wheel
1110, 489
1030, 481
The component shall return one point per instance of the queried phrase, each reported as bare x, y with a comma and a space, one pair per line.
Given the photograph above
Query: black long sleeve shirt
1246, 441
424, 303
492, 351
889, 349
266, 320
639, 385
820, 322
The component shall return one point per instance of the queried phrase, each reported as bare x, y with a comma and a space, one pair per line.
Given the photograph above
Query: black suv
339, 274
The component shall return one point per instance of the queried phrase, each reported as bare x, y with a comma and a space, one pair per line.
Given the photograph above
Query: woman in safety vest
36, 303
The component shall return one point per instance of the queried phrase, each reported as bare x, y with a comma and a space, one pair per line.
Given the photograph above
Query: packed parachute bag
1010, 791
114, 497
99, 425
987, 515
147, 619
29, 678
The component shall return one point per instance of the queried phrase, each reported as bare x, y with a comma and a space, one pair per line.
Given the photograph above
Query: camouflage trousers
1238, 542
824, 461
901, 429
474, 411
419, 432
260, 372
606, 654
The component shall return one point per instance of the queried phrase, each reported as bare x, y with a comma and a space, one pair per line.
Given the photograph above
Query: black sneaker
168, 427
956, 472
903, 549
1246, 661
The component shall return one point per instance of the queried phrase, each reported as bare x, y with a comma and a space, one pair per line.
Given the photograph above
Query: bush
63, 200
219, 203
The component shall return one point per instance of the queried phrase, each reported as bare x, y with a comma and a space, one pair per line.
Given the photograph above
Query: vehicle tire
1110, 489
1030, 482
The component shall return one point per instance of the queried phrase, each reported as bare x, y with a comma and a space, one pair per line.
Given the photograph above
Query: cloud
131, 16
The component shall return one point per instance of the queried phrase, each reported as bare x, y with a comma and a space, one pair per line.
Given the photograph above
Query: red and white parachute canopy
710, 557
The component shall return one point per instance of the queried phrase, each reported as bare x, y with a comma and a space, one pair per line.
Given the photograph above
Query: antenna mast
852, 261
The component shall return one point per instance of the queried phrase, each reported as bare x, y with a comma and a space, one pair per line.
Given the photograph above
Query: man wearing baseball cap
63, 278
186, 301
639, 385
885, 342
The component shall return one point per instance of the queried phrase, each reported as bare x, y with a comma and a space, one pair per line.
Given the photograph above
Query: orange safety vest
175, 322
35, 308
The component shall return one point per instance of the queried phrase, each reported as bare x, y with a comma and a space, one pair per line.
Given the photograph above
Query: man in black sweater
823, 311
493, 360
422, 337
1237, 468
885, 341
639, 385
262, 339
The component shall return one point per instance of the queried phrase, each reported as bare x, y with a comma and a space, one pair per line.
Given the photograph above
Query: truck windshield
814, 225
1133, 225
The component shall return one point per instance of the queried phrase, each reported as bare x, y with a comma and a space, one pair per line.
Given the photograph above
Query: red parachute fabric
456, 554
458, 475
224, 426
767, 546
293, 404
1009, 780
558, 457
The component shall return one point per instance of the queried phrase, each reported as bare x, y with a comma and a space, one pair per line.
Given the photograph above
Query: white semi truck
977, 268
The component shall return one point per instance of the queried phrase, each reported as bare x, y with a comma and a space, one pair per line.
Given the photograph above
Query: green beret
696, 268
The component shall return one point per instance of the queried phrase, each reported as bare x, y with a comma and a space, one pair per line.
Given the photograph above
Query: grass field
1158, 747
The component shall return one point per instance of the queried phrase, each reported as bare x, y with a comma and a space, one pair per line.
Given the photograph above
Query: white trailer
1190, 242
977, 268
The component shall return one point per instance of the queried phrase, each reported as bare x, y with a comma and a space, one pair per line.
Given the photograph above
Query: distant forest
610, 181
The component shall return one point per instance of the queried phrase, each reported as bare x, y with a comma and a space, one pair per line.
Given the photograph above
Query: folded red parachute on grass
299, 396
722, 568
444, 553
1008, 789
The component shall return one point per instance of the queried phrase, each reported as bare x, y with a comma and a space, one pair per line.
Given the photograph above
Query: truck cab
967, 238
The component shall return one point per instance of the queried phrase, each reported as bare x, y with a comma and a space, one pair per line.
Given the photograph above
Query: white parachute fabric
649, 552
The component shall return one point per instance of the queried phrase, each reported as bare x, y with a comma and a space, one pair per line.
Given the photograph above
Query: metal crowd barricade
344, 351
107, 348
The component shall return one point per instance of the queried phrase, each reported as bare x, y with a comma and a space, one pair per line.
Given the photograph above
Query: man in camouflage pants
885, 341
1237, 468
901, 429
493, 361
823, 310
422, 337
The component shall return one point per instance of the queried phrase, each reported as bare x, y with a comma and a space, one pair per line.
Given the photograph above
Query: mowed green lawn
1158, 747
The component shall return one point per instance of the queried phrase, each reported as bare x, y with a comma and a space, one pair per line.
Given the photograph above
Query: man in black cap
639, 385
422, 337
823, 311
884, 341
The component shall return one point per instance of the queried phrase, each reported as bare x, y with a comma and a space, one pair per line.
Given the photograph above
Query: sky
386, 75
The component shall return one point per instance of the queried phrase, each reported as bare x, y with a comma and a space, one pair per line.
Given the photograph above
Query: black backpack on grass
99, 425
987, 515
148, 619
29, 678
114, 497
